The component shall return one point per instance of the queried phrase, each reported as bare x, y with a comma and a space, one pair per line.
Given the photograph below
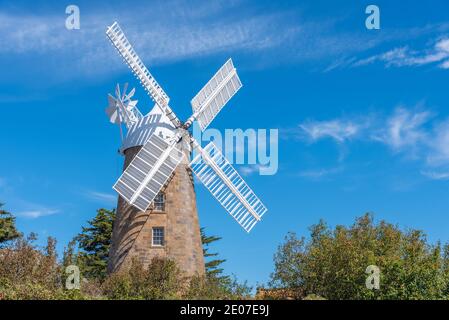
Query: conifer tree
94, 243
212, 265
8, 230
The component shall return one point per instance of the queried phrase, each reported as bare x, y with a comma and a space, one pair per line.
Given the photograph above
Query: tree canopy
94, 243
212, 266
332, 262
8, 230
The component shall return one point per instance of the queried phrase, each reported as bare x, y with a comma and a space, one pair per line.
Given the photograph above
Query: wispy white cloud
191, 30
445, 65
101, 197
404, 56
435, 175
174, 42
23, 34
252, 169
20, 205
404, 129
339, 130
318, 174
37, 213
414, 133
439, 145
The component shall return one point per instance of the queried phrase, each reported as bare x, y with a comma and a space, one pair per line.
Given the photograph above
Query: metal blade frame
215, 95
154, 90
227, 186
130, 116
148, 172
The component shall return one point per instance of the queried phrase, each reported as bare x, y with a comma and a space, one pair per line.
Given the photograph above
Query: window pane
158, 236
159, 202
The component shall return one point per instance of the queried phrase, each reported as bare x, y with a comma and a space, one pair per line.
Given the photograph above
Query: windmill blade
148, 172
122, 109
155, 91
131, 106
112, 111
130, 94
117, 91
215, 94
227, 186
113, 115
125, 87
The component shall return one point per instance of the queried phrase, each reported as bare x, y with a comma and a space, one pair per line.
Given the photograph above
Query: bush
161, 280
332, 263
29, 273
216, 288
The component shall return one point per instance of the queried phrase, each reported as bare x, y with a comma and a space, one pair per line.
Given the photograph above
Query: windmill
157, 147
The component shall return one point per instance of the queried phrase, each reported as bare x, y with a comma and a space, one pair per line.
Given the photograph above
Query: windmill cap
155, 122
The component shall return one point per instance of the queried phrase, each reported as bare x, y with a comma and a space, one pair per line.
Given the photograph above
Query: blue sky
362, 114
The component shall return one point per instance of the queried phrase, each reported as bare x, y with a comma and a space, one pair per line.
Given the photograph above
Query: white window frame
159, 236
158, 204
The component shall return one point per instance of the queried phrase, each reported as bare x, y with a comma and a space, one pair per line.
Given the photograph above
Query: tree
216, 285
212, 266
332, 262
93, 242
8, 229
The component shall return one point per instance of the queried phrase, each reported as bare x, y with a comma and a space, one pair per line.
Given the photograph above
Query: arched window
159, 202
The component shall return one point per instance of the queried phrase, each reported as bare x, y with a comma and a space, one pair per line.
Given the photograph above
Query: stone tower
169, 228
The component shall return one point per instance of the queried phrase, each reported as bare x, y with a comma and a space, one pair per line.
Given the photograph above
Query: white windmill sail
121, 109
215, 94
227, 186
121, 43
113, 112
148, 172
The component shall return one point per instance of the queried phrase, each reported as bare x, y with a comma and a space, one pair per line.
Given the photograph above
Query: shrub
161, 280
29, 273
216, 288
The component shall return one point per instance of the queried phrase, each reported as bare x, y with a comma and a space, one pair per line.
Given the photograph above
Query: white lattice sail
215, 94
227, 186
148, 172
125, 49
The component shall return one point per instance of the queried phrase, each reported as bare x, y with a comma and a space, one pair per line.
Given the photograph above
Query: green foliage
27, 272
8, 229
161, 280
212, 265
313, 297
216, 284
332, 263
94, 243
212, 288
